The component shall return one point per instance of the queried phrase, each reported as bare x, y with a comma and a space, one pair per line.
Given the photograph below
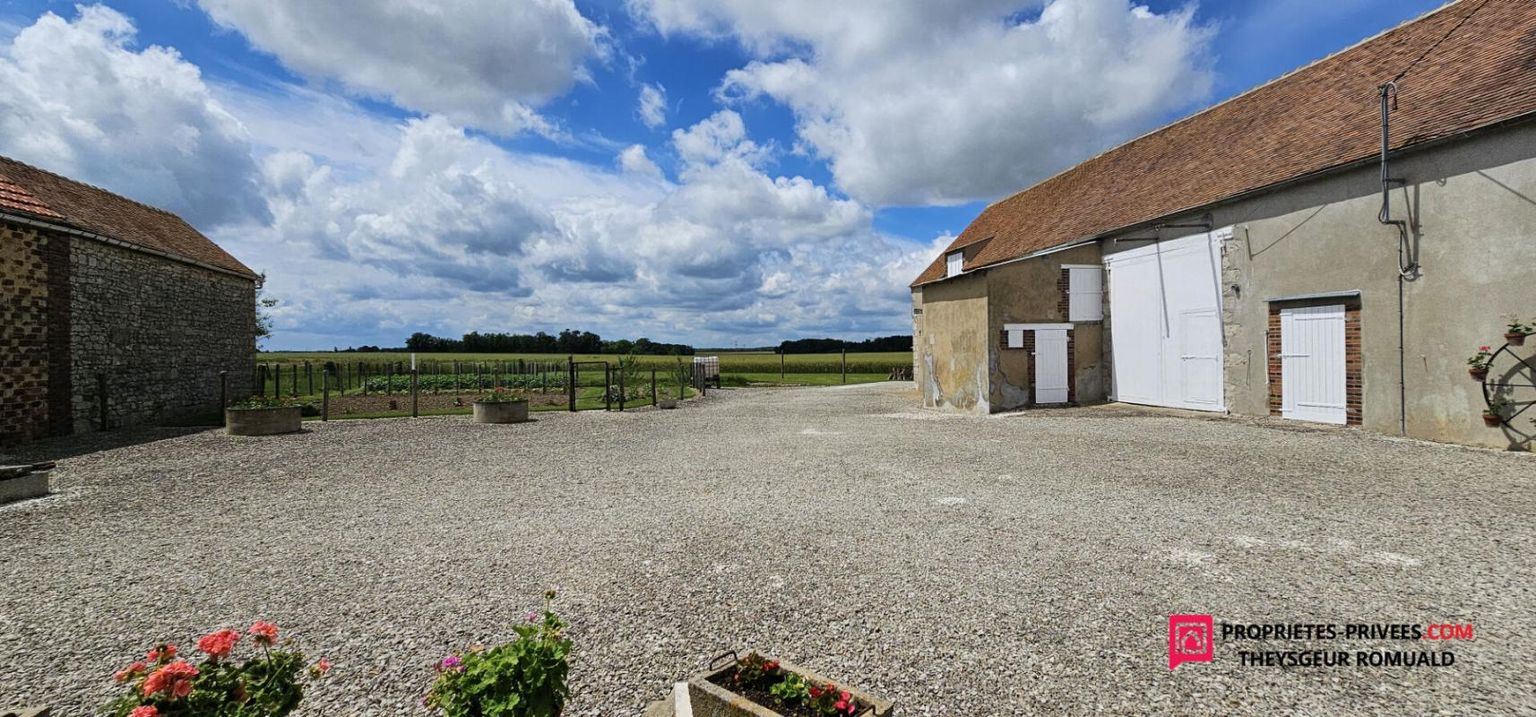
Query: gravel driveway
959, 565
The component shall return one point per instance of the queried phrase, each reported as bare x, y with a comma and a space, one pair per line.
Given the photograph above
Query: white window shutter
1085, 288
955, 263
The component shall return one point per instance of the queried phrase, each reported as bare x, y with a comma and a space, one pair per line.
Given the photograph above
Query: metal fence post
389, 379
309, 379
570, 383
653, 387
621, 389
325, 394
414, 392
781, 363
607, 386
845, 365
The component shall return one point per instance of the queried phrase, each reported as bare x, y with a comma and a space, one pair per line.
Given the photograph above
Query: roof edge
1324, 173
44, 223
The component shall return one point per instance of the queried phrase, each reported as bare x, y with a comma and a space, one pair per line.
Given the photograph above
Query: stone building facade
103, 330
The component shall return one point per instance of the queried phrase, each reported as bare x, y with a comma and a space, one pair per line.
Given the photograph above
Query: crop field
754, 362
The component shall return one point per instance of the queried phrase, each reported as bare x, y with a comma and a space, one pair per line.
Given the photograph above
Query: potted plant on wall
1493, 416
1516, 332
501, 406
1477, 365
260, 416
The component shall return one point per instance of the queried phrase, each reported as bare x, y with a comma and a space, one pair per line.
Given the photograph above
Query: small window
1085, 287
956, 263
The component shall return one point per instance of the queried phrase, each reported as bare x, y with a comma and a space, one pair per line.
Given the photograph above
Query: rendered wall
1031, 292
950, 343
1474, 204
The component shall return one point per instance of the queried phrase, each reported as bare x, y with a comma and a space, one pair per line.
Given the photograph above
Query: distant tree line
568, 341
826, 346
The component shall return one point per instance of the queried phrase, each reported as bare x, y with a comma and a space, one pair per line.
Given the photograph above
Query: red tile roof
1320, 117
27, 190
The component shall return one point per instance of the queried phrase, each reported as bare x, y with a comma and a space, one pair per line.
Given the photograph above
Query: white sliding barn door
1312, 385
1165, 323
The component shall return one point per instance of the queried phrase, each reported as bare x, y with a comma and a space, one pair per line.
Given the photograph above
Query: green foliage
502, 395
522, 678
791, 690
268, 683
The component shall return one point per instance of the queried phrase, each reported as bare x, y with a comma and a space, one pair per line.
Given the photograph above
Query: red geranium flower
174, 679
145, 711
264, 632
219, 644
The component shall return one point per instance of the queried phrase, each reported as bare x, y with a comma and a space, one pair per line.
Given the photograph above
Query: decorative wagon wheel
1509, 388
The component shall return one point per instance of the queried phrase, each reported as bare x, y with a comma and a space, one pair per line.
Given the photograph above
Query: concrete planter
22, 482
501, 411
263, 421
703, 698
668, 403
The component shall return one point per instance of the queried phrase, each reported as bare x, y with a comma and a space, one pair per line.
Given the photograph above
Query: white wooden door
1312, 364
1165, 323
1050, 365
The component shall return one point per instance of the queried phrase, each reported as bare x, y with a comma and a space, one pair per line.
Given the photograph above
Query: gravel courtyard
959, 565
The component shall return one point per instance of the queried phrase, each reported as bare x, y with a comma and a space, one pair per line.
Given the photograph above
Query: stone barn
1329, 247
112, 312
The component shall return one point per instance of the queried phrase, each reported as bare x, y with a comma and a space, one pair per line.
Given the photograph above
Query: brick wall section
1353, 378
160, 330
23, 334
1064, 294
1354, 384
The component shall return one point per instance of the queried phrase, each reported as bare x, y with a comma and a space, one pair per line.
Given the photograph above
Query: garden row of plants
255, 674
522, 678
448, 383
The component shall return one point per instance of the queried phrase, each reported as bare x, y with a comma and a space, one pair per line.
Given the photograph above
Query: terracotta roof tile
1317, 118
43, 194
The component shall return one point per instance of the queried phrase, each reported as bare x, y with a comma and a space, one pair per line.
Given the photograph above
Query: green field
730, 362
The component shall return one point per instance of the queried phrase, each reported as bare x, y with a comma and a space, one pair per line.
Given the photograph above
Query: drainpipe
1407, 261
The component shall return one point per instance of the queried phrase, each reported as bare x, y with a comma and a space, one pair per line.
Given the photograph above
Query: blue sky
710, 171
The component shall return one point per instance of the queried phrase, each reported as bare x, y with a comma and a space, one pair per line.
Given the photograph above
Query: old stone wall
159, 332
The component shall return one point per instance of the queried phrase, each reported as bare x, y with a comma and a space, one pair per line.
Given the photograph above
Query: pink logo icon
1189, 639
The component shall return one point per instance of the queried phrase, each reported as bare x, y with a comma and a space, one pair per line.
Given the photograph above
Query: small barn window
1085, 288
955, 263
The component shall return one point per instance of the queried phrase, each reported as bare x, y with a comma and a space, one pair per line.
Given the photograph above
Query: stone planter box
21, 483
701, 697
263, 421
668, 403
501, 411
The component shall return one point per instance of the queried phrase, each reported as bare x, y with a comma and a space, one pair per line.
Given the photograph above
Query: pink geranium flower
145, 711
219, 644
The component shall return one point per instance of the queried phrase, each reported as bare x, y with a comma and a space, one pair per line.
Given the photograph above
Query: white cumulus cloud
77, 98
917, 102
484, 63
653, 105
